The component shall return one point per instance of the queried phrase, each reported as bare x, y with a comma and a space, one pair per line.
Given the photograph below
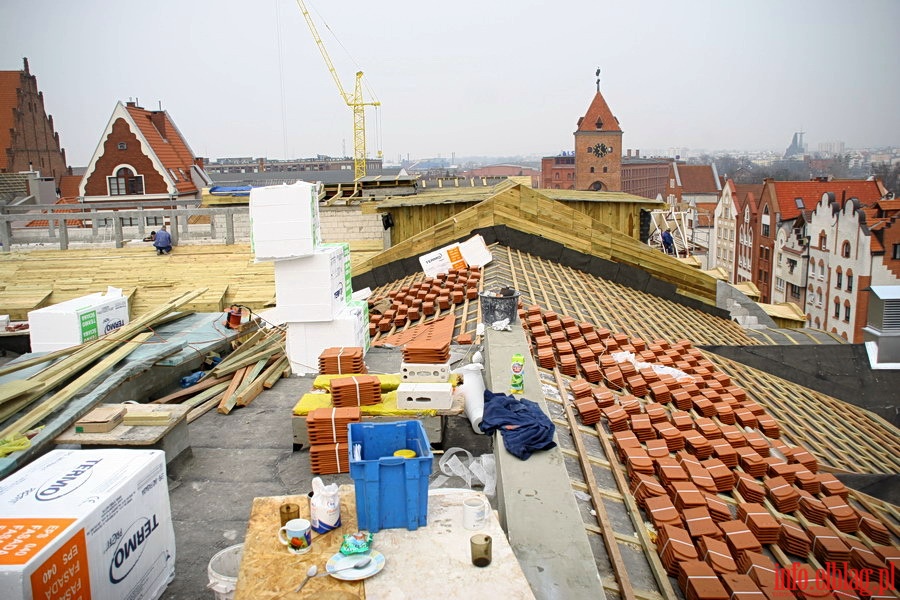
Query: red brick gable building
781, 202
142, 156
28, 141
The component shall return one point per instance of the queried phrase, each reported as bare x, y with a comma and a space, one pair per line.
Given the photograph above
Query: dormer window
125, 182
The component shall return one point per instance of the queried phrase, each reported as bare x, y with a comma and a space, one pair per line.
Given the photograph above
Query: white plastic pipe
472, 389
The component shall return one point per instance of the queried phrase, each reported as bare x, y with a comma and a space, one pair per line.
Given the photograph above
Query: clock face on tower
600, 150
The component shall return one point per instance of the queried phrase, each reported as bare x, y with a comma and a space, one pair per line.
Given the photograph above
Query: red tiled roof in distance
697, 179
868, 192
598, 111
889, 206
706, 213
71, 200
9, 83
171, 149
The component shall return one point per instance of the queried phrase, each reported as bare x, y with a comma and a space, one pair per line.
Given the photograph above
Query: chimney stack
637, 153
629, 153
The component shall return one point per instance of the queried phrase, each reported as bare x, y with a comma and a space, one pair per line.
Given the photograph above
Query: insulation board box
424, 372
306, 341
89, 524
316, 287
420, 396
76, 321
284, 221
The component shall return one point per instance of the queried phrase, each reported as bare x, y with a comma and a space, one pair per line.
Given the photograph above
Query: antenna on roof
597, 75
160, 105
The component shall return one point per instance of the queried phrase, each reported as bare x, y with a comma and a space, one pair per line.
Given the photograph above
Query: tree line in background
743, 170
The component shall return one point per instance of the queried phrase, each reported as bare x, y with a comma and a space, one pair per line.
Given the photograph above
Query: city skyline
488, 79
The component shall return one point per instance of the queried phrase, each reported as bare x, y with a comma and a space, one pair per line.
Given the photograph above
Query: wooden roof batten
531, 212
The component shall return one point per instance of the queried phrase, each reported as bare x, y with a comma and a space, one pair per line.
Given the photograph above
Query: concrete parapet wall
537, 508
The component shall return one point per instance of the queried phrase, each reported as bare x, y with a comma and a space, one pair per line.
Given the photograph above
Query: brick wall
348, 223
132, 155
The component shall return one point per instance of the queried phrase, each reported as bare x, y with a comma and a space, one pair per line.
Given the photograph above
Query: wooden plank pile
32, 400
256, 363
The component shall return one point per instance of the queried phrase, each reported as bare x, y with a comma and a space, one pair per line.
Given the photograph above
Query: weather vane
598, 78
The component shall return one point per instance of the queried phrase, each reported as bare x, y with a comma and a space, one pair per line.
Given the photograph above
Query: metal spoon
310, 573
362, 563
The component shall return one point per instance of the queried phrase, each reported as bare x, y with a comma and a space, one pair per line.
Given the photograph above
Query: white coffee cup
296, 535
475, 512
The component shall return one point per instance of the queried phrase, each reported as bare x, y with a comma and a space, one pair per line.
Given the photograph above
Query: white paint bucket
223, 571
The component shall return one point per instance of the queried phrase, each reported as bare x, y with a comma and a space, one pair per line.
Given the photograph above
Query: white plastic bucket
223, 571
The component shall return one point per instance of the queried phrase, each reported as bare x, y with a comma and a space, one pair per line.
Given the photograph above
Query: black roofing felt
548, 250
841, 371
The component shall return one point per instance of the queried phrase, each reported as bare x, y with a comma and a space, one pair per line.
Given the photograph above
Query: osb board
269, 570
128, 435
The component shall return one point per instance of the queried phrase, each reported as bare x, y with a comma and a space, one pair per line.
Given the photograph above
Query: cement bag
324, 506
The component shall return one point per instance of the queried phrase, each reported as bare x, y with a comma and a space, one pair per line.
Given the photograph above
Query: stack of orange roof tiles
340, 360
355, 390
423, 299
327, 429
689, 441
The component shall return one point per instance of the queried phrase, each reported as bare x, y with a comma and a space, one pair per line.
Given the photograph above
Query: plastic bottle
517, 381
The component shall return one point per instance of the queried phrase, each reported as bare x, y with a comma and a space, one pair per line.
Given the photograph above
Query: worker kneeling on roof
163, 241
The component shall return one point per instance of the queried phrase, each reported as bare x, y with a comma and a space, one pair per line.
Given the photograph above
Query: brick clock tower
598, 148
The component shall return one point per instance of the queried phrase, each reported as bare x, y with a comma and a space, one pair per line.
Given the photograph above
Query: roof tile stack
698, 581
760, 521
340, 360
584, 401
662, 511
674, 547
741, 587
841, 514
329, 425
356, 390
782, 494
827, 546
715, 553
328, 459
793, 540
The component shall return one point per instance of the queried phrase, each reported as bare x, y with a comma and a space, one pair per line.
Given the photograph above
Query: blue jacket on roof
524, 426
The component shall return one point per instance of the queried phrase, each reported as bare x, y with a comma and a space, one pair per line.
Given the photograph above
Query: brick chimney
637, 153
629, 153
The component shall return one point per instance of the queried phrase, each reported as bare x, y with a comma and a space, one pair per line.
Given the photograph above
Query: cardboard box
77, 321
284, 221
422, 396
89, 524
101, 419
472, 252
306, 341
314, 288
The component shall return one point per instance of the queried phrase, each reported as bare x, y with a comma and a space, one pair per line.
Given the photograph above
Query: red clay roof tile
811, 192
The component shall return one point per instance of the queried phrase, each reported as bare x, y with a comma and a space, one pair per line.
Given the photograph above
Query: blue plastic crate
391, 492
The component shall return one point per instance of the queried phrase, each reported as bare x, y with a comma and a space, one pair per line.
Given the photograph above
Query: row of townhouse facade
819, 244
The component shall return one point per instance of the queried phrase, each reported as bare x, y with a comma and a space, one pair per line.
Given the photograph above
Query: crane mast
354, 101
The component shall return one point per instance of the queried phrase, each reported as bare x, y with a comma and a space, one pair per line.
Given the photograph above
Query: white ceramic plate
340, 561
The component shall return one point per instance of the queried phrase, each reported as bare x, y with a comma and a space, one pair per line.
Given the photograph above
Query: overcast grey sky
487, 77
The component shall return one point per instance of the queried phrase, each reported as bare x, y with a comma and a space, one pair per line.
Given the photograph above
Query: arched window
821, 269
125, 182
818, 323
605, 169
838, 278
849, 280
837, 308
846, 311
592, 169
556, 175
819, 297
845, 249
597, 186
823, 241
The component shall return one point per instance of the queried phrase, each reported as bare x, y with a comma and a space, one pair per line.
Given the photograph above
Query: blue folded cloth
522, 424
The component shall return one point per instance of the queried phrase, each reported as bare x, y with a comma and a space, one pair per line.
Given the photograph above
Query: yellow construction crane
354, 101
